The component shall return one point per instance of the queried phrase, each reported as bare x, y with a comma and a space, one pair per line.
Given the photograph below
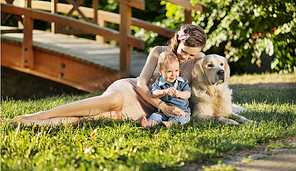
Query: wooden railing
30, 14
123, 36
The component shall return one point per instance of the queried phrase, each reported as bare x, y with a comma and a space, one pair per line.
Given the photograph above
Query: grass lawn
269, 99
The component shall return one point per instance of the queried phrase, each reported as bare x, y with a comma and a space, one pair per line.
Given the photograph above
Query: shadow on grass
285, 117
204, 142
269, 93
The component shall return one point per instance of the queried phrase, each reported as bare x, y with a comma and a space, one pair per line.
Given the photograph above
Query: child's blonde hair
165, 58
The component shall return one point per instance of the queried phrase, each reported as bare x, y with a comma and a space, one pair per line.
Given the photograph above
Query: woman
131, 97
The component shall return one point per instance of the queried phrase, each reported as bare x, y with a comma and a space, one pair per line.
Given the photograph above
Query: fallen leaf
93, 133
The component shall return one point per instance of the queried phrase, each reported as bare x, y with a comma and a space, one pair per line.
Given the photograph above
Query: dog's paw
247, 121
251, 121
231, 122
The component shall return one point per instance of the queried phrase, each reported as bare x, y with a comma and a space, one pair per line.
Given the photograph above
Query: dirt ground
284, 160
259, 158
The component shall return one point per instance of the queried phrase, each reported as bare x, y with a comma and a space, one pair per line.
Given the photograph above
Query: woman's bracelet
159, 105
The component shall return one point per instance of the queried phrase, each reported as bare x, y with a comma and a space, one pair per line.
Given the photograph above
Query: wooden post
27, 47
125, 23
28, 3
188, 18
54, 11
101, 23
95, 7
22, 3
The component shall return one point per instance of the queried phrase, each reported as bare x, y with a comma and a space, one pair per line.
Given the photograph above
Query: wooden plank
10, 30
74, 72
125, 23
27, 47
188, 18
10, 54
28, 3
105, 17
151, 27
78, 24
58, 68
101, 39
140, 4
104, 56
40, 15
95, 9
54, 10
75, 7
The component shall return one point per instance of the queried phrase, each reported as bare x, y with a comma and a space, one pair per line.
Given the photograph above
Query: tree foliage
243, 30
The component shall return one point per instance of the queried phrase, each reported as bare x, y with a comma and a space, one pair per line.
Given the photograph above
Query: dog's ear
198, 71
227, 69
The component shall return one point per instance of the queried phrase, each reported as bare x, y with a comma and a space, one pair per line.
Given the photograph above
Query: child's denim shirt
181, 84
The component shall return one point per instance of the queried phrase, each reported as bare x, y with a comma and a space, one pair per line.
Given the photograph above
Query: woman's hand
171, 111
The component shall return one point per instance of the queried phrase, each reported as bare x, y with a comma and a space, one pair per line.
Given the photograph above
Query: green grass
125, 146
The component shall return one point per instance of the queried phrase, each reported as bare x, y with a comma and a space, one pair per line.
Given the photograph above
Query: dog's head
213, 69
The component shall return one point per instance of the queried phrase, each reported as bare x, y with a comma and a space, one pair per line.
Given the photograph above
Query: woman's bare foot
43, 122
5, 120
35, 116
147, 124
168, 124
17, 120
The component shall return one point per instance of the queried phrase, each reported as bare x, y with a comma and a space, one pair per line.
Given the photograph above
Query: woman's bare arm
199, 56
146, 74
158, 93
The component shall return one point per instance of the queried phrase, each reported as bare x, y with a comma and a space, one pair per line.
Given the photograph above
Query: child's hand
177, 93
170, 91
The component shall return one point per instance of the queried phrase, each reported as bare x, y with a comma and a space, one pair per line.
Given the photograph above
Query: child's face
170, 72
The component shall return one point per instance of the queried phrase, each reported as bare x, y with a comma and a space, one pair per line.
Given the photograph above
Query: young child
171, 89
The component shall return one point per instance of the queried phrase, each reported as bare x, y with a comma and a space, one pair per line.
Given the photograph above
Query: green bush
243, 30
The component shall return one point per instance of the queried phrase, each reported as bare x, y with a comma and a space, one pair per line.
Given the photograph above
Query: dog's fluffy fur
211, 96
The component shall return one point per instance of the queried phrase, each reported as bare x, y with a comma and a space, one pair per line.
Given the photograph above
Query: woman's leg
52, 121
91, 107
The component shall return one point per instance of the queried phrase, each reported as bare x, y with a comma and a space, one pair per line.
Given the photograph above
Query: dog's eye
221, 64
210, 65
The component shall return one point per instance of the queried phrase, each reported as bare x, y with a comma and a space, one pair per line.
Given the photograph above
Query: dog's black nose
220, 73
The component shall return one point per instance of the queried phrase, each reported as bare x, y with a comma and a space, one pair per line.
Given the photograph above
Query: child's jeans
158, 117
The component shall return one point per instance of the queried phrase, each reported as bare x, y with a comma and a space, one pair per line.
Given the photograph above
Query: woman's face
185, 52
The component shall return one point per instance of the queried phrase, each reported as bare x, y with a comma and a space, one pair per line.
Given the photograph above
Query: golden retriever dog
211, 96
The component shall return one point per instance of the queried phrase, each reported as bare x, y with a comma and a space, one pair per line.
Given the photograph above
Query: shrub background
249, 33
245, 30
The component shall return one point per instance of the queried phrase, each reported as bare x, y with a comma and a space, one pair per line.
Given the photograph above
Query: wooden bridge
81, 63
